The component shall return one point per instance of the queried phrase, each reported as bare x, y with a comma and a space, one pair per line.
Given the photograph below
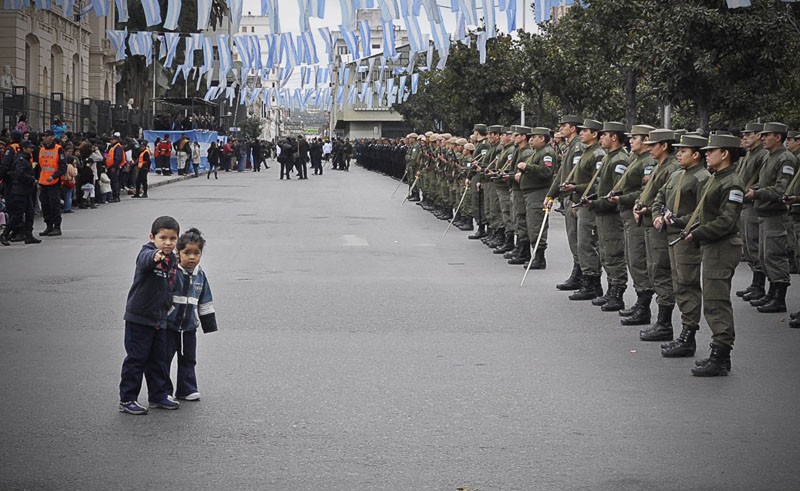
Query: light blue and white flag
316, 8
303, 17
389, 10
173, 13
482, 38
117, 40
363, 27
208, 55
225, 58
489, 18
240, 43
152, 12
414, 82
141, 44
414, 34
171, 40
350, 41
325, 33
122, 10
235, 8
203, 14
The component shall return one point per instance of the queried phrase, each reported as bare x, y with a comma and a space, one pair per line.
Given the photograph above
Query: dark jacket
192, 303
23, 176
150, 296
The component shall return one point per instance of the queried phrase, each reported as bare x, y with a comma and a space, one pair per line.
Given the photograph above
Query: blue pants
184, 343
146, 355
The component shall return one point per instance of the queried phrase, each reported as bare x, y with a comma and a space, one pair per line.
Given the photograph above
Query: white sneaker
194, 396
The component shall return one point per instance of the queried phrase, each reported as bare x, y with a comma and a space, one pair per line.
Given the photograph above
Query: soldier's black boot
524, 253
641, 311
30, 239
47, 231
718, 363
794, 323
513, 252
57, 231
615, 301
498, 237
539, 261
598, 301
758, 279
632, 310
4, 236
588, 288
778, 302
507, 246
757, 292
489, 234
448, 213
662, 329
683, 347
501, 238
758, 302
467, 226
574, 280
479, 234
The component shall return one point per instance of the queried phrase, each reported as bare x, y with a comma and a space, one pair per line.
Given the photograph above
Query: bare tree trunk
631, 99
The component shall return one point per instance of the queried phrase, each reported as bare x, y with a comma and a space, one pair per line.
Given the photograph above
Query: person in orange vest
115, 159
143, 164
53, 165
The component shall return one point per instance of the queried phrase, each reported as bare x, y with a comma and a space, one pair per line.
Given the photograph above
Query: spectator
196, 159
213, 160
58, 128
22, 125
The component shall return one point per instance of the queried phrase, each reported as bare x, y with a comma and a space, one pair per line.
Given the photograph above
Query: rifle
585, 200
684, 234
614, 194
637, 208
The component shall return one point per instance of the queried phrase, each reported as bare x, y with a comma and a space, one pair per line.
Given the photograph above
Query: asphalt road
360, 350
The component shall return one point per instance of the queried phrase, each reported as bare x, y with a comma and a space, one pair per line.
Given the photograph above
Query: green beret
591, 124
692, 141
660, 135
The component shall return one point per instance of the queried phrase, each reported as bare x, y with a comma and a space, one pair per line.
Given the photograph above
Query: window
376, 46
244, 29
253, 29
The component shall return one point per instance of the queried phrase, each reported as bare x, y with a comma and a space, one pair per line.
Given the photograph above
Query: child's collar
193, 272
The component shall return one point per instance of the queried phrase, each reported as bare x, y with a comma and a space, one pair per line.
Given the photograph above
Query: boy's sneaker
132, 407
166, 403
194, 396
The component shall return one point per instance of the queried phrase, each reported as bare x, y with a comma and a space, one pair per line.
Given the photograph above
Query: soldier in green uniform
584, 177
793, 205
491, 200
412, 164
522, 253
748, 168
624, 194
658, 267
500, 177
773, 179
535, 177
610, 227
568, 127
676, 203
721, 246
423, 171
482, 148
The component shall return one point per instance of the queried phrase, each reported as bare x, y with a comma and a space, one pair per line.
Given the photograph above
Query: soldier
658, 267
747, 169
412, 164
522, 253
773, 179
535, 177
792, 195
491, 203
676, 203
568, 127
500, 177
718, 236
610, 227
482, 148
627, 191
584, 177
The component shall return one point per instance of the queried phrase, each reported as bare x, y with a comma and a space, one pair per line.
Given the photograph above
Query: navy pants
184, 343
146, 355
50, 197
20, 213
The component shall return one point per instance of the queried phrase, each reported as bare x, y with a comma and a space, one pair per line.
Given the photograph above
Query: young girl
192, 308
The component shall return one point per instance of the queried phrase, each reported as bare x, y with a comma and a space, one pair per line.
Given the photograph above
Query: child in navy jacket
191, 308
149, 299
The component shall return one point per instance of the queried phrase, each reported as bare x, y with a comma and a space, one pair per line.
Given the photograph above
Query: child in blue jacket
191, 308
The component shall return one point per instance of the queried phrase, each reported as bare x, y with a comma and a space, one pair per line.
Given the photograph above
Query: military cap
793, 134
507, 130
753, 128
496, 128
522, 130
428, 133
696, 133
692, 141
640, 129
679, 133
613, 126
660, 135
722, 132
461, 141
571, 119
539, 130
452, 139
421, 137
50, 133
480, 128
591, 124
27, 144
412, 135
775, 128
446, 136
469, 146
722, 141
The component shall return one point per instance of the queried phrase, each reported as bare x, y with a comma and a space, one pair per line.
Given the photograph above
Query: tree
251, 127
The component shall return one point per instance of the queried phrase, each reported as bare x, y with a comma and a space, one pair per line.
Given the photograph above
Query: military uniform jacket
773, 179
613, 168
720, 208
521, 155
569, 160
654, 181
632, 182
793, 190
505, 162
688, 184
413, 154
538, 173
750, 165
590, 161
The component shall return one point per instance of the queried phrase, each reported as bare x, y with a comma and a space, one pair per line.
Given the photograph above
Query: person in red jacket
163, 154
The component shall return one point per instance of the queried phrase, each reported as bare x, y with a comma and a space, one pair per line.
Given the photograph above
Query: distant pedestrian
213, 160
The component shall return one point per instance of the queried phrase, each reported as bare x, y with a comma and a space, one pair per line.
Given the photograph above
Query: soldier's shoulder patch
788, 170
599, 153
484, 151
548, 160
620, 169
648, 170
576, 159
736, 196
598, 164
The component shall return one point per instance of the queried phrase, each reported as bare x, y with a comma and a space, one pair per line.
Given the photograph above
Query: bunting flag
482, 38
511, 16
414, 34
208, 56
122, 10
461, 27
310, 49
325, 33
433, 12
389, 10
488, 18
273, 50
275, 19
240, 43
117, 40
348, 19
414, 82
235, 8
44, 4
152, 12
735, 4
99, 7
173, 13
171, 40
162, 46
429, 57
141, 44
303, 17
350, 41
363, 28
316, 8
225, 59
405, 7
255, 52
203, 14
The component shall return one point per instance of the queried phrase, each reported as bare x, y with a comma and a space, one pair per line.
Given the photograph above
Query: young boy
149, 300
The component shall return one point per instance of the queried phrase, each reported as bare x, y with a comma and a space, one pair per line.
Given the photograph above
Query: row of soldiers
658, 205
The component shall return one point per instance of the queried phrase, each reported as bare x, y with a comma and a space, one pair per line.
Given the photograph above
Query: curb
168, 181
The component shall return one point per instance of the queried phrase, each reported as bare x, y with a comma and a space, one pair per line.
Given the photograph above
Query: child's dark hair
191, 236
165, 222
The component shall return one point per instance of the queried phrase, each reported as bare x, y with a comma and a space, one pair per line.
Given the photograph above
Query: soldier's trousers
467, 206
635, 252
518, 212
658, 267
772, 248
534, 216
504, 198
571, 224
611, 248
493, 205
796, 230
684, 259
478, 212
748, 225
719, 263
588, 256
